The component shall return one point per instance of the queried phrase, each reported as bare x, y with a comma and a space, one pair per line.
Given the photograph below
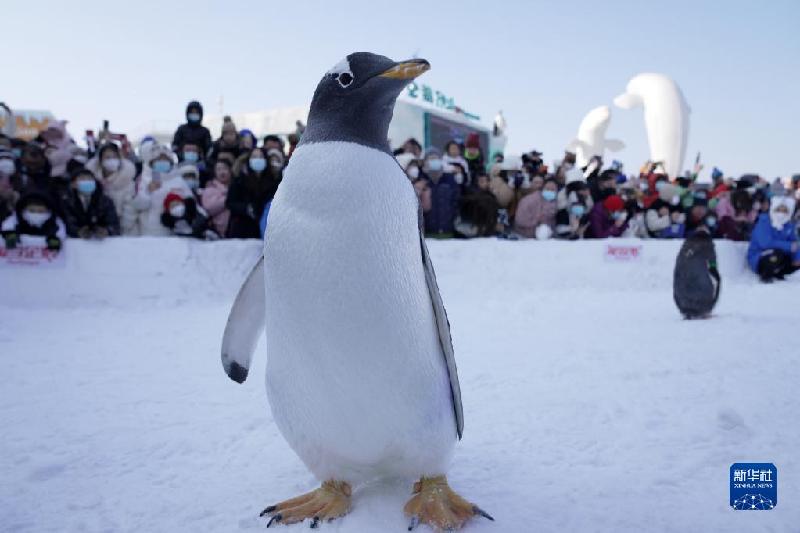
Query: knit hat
473, 141
188, 168
716, 173
613, 203
228, 125
158, 150
433, 151
172, 197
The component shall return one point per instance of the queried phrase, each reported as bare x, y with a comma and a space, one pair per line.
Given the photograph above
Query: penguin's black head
354, 100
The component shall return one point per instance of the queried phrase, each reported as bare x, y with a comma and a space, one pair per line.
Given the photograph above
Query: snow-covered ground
590, 405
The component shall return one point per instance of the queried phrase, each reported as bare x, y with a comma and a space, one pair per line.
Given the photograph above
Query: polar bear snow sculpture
666, 117
591, 139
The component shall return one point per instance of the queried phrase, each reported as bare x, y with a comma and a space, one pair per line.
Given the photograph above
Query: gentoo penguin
696, 281
361, 377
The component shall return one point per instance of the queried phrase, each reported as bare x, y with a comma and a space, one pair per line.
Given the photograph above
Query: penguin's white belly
356, 379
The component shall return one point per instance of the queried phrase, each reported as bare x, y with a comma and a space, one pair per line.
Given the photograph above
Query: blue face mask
162, 166
17, 152
191, 157
549, 195
86, 187
435, 165
258, 164
711, 222
577, 210
193, 117
660, 185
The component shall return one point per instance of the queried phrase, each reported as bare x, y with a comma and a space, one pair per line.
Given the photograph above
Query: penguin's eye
345, 79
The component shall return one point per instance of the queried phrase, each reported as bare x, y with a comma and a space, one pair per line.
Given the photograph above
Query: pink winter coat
532, 211
213, 201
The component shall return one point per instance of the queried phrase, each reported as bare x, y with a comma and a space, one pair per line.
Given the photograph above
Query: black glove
12, 239
53, 243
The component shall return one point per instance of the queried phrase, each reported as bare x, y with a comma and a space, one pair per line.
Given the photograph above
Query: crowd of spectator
209, 189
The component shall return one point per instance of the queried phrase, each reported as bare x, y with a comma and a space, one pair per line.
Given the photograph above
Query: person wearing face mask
607, 219
116, 175
34, 223
455, 164
773, 252
445, 196
249, 193
413, 170
158, 180
184, 218
537, 209
88, 211
193, 131
191, 154
214, 195
572, 218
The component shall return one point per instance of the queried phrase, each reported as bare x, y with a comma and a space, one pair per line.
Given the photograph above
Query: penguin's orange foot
434, 503
330, 501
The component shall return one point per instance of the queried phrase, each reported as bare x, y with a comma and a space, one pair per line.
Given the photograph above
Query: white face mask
413, 172
779, 219
6, 166
111, 164
177, 210
35, 218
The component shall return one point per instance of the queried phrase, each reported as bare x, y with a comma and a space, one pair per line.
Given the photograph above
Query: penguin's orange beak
406, 70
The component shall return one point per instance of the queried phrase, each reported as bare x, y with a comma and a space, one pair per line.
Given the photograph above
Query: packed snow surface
590, 405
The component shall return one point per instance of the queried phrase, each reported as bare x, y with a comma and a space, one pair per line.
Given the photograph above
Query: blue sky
545, 64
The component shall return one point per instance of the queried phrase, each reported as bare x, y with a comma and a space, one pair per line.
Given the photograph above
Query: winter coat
532, 211
673, 231
53, 227
765, 238
97, 212
654, 221
479, 210
462, 176
149, 206
192, 133
120, 188
8, 199
696, 281
213, 201
194, 222
247, 195
564, 224
445, 196
601, 225
218, 147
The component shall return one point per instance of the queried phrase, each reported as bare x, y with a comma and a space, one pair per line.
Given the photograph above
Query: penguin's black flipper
245, 325
442, 327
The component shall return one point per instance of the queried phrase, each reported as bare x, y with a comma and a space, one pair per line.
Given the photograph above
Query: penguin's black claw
315, 522
478, 511
276, 519
268, 510
414, 523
